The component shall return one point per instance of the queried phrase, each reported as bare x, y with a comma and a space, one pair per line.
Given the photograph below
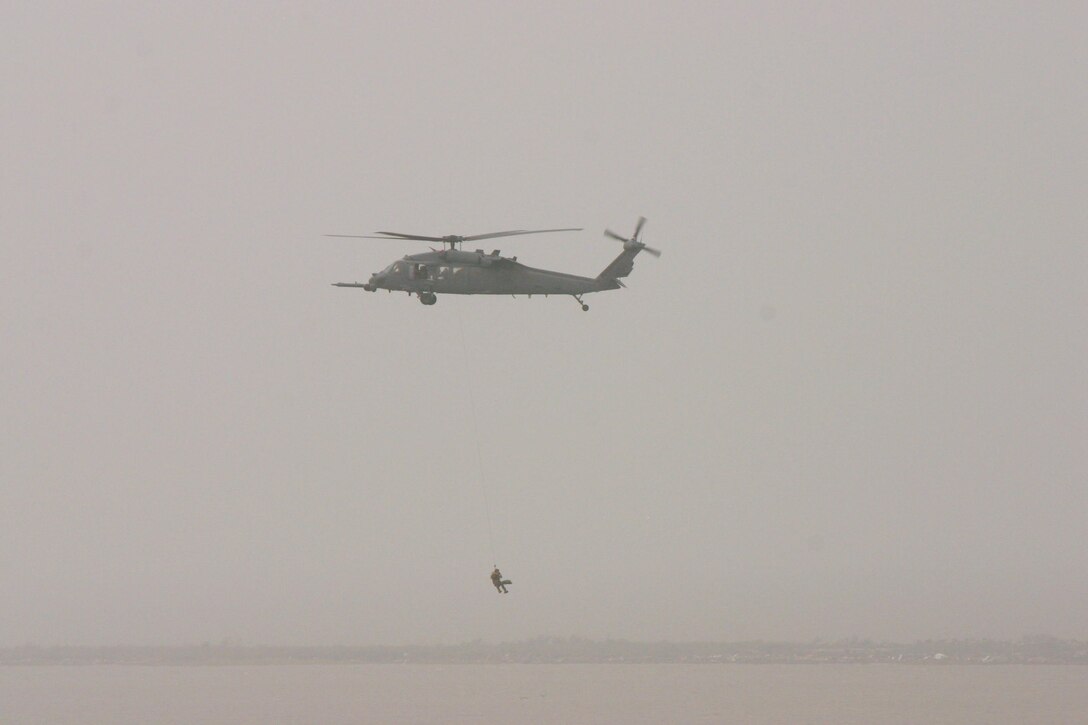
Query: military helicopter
454, 271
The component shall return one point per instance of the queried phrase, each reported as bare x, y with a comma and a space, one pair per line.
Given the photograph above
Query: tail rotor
633, 242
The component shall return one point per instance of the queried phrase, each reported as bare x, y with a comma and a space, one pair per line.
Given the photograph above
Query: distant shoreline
553, 650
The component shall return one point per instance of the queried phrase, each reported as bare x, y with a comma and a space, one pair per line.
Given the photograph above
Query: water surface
333, 694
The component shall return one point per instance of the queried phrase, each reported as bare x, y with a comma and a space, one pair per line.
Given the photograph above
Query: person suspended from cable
499, 582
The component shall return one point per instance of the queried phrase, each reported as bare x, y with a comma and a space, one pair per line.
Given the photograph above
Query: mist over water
848, 400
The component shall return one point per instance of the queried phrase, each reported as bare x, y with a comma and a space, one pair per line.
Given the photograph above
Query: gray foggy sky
850, 399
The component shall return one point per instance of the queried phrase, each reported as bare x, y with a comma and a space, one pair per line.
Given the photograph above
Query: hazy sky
849, 399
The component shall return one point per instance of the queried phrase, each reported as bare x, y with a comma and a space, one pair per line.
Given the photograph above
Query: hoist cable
476, 438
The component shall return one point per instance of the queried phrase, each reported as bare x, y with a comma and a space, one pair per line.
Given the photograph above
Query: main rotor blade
638, 227
651, 251
617, 237
473, 238
365, 236
411, 236
515, 233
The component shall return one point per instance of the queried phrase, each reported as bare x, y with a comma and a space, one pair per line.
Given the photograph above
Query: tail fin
621, 266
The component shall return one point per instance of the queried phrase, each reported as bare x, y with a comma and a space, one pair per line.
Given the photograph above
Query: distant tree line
1035, 649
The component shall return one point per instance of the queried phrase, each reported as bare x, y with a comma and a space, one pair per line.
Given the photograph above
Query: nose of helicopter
375, 280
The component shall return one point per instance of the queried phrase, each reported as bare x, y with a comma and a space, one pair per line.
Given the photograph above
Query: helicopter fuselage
475, 273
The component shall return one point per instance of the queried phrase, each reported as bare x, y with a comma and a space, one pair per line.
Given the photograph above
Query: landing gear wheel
428, 298
585, 307
578, 299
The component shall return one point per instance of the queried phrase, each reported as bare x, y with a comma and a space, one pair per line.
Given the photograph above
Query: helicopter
451, 270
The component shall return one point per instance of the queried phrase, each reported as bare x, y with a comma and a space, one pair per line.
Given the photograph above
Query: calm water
334, 694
